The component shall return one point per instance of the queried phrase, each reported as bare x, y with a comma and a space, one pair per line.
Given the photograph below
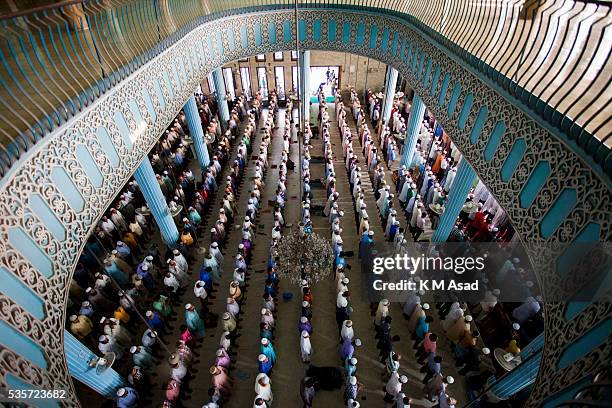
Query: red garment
479, 219
428, 345
187, 337
483, 231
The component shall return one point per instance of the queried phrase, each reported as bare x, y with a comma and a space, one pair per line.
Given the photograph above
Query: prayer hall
305, 203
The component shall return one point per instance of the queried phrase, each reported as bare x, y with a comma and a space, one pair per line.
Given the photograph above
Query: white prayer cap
385, 302
539, 298
516, 326
305, 334
219, 352
403, 379
468, 318
421, 292
226, 316
353, 361
149, 258
149, 313
133, 349
450, 379
188, 306
515, 260
102, 320
265, 379
86, 303
486, 351
121, 392
358, 342
261, 357
425, 306
348, 323
496, 292
305, 304
214, 245
353, 380
529, 284
73, 318
345, 281
264, 311
303, 319
264, 341
102, 338
175, 252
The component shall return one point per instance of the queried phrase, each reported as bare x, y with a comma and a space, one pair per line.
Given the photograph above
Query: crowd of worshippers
348, 342
435, 382
267, 352
212, 268
110, 285
523, 325
423, 185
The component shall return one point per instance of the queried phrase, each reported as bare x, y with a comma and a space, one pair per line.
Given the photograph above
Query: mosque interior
317, 203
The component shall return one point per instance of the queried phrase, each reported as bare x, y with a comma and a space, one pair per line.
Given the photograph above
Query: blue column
195, 130
217, 77
78, 356
415, 121
305, 83
533, 347
145, 177
390, 84
456, 198
519, 378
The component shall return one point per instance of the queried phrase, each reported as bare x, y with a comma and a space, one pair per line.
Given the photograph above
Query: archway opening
432, 136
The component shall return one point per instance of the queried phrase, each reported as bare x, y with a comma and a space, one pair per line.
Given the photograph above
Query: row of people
137, 288
382, 320
346, 333
267, 352
210, 272
194, 330
419, 322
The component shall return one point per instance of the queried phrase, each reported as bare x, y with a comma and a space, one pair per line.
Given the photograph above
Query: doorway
327, 78
262, 81
279, 76
245, 80
230, 87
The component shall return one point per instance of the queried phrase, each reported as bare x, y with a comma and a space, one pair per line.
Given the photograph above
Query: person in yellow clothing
80, 326
122, 315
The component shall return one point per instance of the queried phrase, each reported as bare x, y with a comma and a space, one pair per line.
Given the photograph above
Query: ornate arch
46, 261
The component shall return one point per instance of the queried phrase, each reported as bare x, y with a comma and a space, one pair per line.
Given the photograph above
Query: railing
552, 56
596, 394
